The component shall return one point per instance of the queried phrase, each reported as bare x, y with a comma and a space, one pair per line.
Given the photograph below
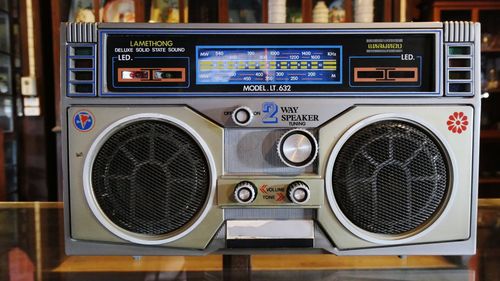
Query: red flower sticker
457, 122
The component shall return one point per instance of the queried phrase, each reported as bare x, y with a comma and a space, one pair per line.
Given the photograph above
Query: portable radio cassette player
351, 139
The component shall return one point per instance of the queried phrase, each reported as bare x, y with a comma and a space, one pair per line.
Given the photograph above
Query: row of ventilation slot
81, 73
459, 70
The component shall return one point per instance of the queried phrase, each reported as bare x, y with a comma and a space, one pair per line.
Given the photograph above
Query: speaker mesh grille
390, 177
150, 177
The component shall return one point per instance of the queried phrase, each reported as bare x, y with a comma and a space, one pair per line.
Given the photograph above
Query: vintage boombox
351, 139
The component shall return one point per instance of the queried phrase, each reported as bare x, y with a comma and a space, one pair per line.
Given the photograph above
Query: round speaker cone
390, 177
150, 177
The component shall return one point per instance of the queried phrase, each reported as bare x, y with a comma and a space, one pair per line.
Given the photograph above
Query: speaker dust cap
150, 179
390, 178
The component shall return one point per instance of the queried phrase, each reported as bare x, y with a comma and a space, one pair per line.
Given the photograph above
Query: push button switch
242, 116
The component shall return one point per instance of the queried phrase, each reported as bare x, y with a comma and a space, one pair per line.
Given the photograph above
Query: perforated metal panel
150, 177
391, 177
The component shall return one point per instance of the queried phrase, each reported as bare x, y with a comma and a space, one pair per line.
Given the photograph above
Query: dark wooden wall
37, 157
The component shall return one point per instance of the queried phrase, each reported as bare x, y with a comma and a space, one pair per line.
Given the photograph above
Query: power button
242, 116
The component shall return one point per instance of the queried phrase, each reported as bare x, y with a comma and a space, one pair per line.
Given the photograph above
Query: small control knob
242, 116
298, 192
297, 148
245, 192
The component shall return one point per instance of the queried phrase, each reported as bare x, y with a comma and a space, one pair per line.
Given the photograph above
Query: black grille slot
151, 177
390, 177
82, 51
83, 63
83, 88
82, 75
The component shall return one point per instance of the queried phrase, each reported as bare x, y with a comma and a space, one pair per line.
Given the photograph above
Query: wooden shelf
492, 91
474, 7
490, 134
489, 180
490, 50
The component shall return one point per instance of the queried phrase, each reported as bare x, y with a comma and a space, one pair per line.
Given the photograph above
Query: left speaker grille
150, 177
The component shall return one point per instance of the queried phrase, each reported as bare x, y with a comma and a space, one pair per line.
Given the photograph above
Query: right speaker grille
390, 177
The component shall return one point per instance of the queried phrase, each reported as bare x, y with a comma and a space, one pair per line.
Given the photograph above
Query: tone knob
245, 192
297, 148
298, 192
242, 116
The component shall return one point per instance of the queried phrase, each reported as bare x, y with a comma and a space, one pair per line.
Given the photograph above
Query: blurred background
29, 67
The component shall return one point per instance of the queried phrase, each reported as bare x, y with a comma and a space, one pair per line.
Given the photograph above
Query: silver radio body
351, 139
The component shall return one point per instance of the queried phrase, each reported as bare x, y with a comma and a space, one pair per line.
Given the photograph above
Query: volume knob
245, 192
297, 148
298, 192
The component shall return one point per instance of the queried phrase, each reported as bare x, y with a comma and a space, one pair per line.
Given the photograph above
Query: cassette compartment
384, 71
175, 74
150, 73
385, 74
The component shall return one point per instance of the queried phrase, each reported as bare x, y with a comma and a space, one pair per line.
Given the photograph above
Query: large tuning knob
245, 192
297, 148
